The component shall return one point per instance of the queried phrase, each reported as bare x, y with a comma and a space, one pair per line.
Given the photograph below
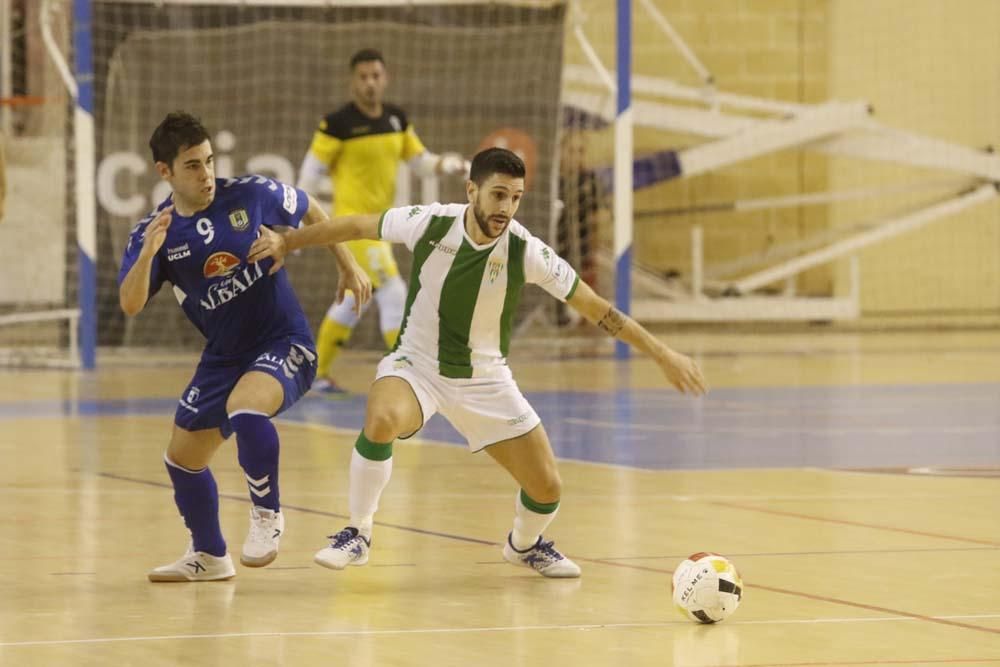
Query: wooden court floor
869, 557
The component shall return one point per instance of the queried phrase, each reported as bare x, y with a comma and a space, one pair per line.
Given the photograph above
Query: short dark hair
495, 161
366, 56
178, 130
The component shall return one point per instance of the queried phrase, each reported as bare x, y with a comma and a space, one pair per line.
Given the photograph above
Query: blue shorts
291, 361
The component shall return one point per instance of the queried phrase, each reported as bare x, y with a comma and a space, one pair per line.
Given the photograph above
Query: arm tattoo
613, 321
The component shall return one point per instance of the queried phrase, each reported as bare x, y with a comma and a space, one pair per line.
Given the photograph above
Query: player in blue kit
259, 357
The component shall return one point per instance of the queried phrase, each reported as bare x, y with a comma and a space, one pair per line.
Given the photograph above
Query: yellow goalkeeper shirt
363, 154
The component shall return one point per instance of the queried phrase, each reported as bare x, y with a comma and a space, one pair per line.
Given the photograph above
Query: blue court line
87, 408
827, 427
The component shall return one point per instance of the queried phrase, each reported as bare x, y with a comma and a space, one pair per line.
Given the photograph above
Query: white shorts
484, 410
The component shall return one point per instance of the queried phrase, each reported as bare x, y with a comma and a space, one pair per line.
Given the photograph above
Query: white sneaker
348, 547
543, 558
261, 545
196, 566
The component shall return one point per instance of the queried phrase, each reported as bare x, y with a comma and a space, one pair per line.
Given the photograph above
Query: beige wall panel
931, 66
767, 48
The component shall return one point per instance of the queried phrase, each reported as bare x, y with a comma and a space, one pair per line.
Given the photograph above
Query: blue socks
257, 448
197, 495
197, 498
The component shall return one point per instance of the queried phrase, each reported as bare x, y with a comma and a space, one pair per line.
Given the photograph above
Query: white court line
446, 631
867, 619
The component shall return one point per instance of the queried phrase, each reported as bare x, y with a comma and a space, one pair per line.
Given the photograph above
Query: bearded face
495, 202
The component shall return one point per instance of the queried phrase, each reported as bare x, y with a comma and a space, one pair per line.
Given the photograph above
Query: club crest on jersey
239, 219
496, 267
220, 264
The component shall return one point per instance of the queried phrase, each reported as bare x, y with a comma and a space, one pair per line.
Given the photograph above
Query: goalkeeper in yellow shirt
359, 147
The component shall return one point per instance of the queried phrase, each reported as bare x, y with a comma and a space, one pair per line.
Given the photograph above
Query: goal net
756, 197
804, 161
262, 75
38, 263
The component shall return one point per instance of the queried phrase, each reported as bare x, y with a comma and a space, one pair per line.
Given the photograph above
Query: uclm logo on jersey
220, 264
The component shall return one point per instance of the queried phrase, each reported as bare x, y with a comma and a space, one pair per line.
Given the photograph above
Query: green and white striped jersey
463, 296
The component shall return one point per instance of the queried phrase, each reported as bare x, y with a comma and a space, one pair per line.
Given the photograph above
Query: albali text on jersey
463, 296
235, 304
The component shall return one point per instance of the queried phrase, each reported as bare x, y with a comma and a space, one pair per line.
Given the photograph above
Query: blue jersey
236, 305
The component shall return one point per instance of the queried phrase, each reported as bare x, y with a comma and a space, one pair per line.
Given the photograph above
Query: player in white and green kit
470, 262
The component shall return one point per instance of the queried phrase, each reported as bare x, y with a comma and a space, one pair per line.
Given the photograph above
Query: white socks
530, 520
368, 480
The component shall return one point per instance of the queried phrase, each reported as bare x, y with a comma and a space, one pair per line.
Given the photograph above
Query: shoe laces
543, 552
263, 526
343, 539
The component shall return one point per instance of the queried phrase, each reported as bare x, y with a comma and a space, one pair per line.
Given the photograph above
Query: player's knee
187, 457
242, 400
384, 425
549, 489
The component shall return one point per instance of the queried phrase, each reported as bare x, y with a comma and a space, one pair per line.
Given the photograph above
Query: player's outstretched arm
427, 164
452, 164
134, 291
312, 174
680, 370
336, 230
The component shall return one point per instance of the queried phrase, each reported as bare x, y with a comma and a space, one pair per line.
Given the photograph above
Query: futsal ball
707, 588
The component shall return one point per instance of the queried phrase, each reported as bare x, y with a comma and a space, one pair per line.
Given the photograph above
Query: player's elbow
129, 305
367, 227
588, 303
352, 228
357, 229
342, 231
130, 310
